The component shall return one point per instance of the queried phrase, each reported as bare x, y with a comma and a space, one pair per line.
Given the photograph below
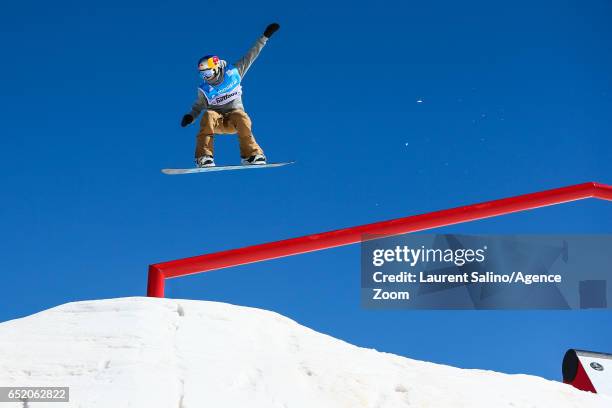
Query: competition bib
226, 91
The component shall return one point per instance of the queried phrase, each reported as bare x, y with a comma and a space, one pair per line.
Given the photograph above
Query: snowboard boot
205, 161
254, 160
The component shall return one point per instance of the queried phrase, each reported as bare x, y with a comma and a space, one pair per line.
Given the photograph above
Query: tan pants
236, 121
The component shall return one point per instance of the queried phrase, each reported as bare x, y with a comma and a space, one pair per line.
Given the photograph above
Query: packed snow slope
165, 353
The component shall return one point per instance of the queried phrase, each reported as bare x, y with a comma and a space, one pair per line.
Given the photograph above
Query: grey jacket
243, 65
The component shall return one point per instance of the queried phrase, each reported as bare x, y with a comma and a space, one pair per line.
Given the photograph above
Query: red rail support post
155, 284
315, 242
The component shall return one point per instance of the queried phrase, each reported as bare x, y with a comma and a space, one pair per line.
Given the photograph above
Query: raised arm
244, 63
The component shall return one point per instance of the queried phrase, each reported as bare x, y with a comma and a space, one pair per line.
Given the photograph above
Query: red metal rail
294, 246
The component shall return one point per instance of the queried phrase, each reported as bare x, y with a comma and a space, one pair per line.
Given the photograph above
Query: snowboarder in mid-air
220, 97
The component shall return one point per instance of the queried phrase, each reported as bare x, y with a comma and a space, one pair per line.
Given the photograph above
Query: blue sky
516, 98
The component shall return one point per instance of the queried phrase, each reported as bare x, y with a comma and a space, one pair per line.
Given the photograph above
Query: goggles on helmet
208, 66
207, 74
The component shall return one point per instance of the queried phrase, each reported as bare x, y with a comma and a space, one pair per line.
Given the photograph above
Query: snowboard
223, 168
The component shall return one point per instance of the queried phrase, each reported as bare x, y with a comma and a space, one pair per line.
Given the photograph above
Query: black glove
187, 120
271, 29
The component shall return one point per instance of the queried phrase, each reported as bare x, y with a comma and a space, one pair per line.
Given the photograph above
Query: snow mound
150, 353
